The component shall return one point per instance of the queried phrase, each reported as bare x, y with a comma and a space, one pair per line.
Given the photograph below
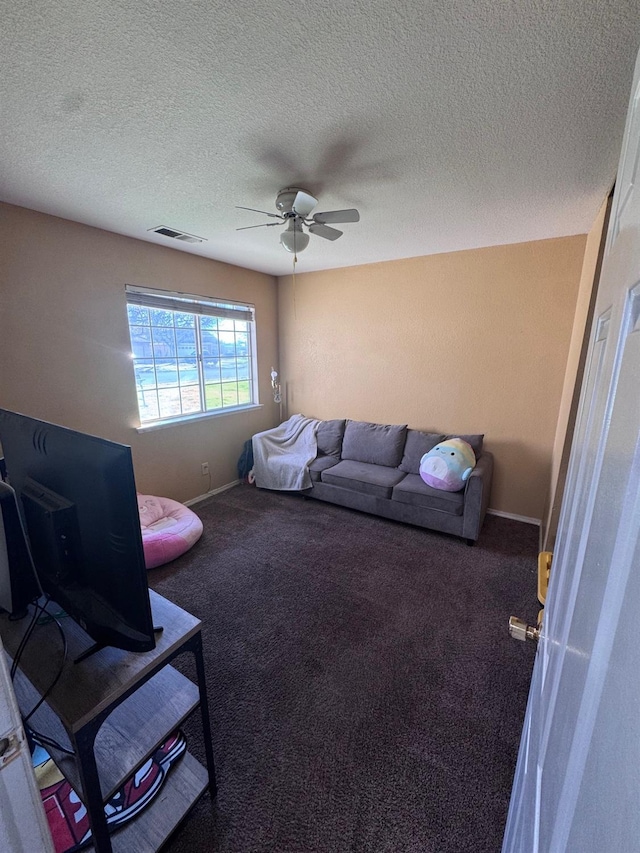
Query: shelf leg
204, 711
100, 837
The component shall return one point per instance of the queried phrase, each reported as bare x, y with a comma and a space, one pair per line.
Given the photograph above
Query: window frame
199, 307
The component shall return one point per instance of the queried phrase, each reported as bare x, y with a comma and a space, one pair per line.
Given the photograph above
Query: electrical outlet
204, 468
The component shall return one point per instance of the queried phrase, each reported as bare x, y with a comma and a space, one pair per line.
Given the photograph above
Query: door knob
519, 630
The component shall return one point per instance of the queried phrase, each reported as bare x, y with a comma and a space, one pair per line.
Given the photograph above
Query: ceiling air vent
177, 235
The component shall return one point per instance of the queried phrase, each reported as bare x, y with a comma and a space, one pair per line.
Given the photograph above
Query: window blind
166, 300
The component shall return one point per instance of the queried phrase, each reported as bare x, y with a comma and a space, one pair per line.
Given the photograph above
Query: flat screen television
77, 496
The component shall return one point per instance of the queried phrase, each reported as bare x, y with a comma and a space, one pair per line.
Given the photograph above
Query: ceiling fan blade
350, 215
304, 203
277, 215
262, 225
324, 231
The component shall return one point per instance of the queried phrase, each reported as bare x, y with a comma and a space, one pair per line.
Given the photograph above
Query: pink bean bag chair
168, 528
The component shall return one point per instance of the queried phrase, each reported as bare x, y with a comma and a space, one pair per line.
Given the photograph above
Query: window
191, 355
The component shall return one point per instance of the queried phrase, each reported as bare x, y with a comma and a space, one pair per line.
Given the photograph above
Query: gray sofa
375, 468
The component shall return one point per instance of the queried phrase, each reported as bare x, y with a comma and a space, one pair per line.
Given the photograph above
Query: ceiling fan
295, 206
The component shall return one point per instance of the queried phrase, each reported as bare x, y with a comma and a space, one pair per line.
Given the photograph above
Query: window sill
201, 416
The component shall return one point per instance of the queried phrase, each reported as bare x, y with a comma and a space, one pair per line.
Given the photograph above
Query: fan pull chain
295, 309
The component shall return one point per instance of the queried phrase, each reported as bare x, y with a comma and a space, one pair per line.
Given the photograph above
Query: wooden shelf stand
113, 710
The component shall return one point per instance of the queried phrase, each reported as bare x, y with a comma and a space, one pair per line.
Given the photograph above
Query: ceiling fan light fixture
294, 206
293, 237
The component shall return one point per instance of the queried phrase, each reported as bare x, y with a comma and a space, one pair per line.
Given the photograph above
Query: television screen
77, 496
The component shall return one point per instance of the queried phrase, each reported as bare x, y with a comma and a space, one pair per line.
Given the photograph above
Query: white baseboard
212, 492
526, 519
514, 517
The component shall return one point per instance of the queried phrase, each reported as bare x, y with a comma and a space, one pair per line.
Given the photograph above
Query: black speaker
18, 584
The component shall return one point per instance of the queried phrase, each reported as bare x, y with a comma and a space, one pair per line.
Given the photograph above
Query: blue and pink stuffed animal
448, 465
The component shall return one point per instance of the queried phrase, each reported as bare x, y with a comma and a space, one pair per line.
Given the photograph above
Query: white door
23, 823
577, 783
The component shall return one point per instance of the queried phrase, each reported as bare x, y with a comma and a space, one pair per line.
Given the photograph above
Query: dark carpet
364, 692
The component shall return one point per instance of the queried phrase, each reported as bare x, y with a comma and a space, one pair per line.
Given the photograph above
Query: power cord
42, 616
65, 647
44, 741
37, 609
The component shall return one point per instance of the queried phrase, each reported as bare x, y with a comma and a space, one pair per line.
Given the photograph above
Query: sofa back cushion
474, 440
329, 436
417, 444
379, 444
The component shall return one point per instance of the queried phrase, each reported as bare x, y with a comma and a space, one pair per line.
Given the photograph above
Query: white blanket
281, 456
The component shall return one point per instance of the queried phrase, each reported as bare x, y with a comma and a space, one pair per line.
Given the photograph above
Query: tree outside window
189, 362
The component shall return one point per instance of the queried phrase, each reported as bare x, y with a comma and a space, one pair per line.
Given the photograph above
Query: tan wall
472, 341
573, 379
64, 343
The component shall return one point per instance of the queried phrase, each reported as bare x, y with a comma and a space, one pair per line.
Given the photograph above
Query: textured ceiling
449, 125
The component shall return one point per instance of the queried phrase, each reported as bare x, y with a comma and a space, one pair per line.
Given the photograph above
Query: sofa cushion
413, 490
474, 440
320, 464
363, 477
329, 437
377, 444
417, 444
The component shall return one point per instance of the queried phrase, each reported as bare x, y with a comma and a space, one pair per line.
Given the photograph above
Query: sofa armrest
476, 496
